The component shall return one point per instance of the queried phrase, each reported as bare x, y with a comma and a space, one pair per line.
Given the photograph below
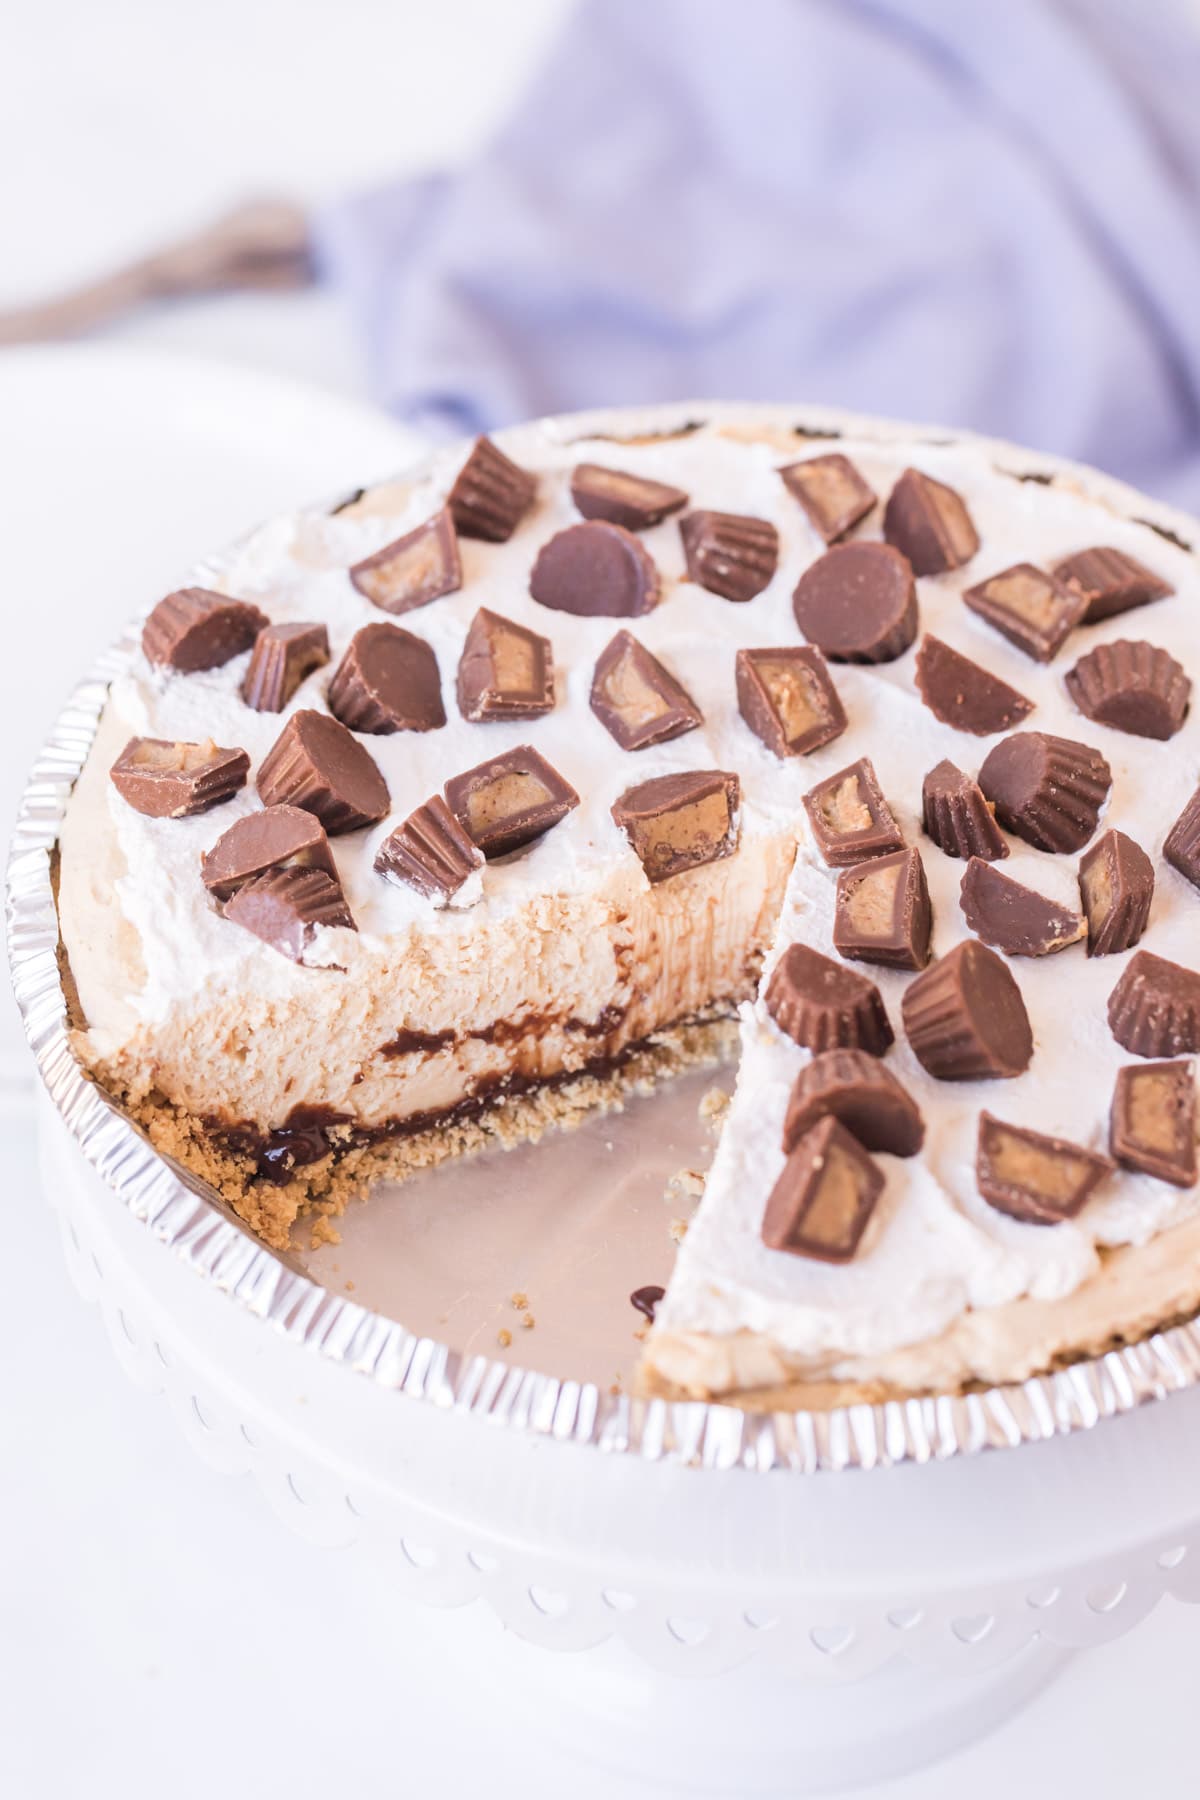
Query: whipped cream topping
934, 1247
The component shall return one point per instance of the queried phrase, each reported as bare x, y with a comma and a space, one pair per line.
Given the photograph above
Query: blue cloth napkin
980, 212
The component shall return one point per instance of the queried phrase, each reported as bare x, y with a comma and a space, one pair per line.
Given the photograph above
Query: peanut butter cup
1181, 846
316, 763
1030, 608
1152, 1126
1116, 885
196, 628
957, 817
430, 852
278, 837
729, 553
1154, 1010
286, 908
166, 780
966, 1019
858, 603
508, 801
882, 911
491, 494
1110, 582
1049, 790
832, 492
823, 1200
595, 569
283, 656
505, 671
788, 699
1133, 687
634, 501
1038, 1179
930, 523
679, 822
850, 818
823, 1005
387, 681
419, 567
1014, 918
861, 1092
959, 693
636, 699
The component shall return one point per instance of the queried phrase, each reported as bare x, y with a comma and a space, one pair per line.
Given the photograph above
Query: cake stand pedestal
851, 1625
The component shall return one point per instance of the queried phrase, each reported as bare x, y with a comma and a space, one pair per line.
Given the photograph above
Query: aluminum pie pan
186, 1215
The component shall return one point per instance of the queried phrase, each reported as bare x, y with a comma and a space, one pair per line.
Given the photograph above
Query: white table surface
124, 123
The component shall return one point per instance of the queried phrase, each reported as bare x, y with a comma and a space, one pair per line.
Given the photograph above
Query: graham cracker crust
320, 1191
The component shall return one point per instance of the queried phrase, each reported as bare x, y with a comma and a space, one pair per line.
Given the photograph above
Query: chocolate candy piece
824, 1197
857, 1089
729, 553
1028, 607
1181, 846
279, 837
832, 493
850, 818
419, 567
965, 1018
430, 852
387, 681
823, 1005
1039, 1180
788, 699
633, 501
285, 907
959, 693
1116, 885
882, 912
1049, 790
1154, 1010
679, 822
283, 657
1110, 582
1015, 918
1152, 1126
595, 568
509, 800
491, 495
636, 699
196, 628
505, 671
957, 817
858, 603
166, 780
930, 523
316, 764
1132, 687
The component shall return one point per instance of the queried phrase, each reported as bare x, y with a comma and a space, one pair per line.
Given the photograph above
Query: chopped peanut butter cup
832, 492
680, 822
315, 763
1110, 582
1015, 918
419, 567
286, 908
729, 553
491, 494
508, 801
195, 629
283, 656
882, 912
965, 1018
858, 1090
1154, 1010
595, 569
633, 501
959, 693
823, 1200
822, 1005
1116, 885
1037, 1179
1028, 607
850, 818
957, 817
505, 671
430, 852
930, 523
1049, 790
788, 699
858, 603
1132, 687
166, 780
387, 681
636, 699
278, 837
1182, 844
1152, 1126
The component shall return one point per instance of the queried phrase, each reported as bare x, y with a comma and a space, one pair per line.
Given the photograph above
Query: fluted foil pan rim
190, 1218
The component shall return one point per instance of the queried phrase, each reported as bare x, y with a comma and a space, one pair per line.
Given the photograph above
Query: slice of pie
497, 793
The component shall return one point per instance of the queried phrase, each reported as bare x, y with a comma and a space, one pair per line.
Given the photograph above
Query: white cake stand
853, 1624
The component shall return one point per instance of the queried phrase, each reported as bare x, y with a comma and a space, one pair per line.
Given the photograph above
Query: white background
122, 124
